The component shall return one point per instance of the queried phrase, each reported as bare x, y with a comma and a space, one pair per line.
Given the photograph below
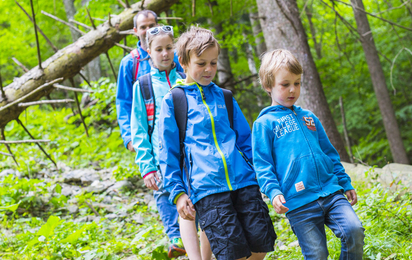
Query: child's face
286, 89
161, 52
202, 69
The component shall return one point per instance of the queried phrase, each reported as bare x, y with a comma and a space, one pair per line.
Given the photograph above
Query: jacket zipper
215, 138
167, 77
244, 157
313, 155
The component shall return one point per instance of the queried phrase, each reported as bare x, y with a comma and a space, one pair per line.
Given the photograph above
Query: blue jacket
293, 157
216, 155
146, 153
124, 94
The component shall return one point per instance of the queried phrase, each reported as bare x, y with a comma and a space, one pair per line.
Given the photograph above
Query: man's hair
195, 40
273, 61
145, 13
150, 37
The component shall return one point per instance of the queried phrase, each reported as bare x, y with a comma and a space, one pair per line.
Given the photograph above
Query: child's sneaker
176, 248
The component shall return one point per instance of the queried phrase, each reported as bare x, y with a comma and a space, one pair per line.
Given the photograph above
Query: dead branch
345, 129
122, 4
3, 137
78, 107
129, 32
24, 141
59, 101
84, 78
81, 24
91, 19
170, 18
6, 154
193, 8
37, 143
99, 19
20, 64
63, 22
38, 29
380, 18
124, 47
71, 89
111, 65
31, 93
127, 4
92, 208
3, 95
35, 33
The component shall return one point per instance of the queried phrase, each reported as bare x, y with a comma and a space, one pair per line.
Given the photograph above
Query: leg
343, 221
308, 224
188, 232
257, 256
168, 213
205, 246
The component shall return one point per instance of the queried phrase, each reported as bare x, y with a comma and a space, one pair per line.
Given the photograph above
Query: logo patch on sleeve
299, 186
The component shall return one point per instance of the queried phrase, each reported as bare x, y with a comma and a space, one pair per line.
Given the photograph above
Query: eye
201, 64
297, 84
159, 50
169, 48
285, 85
213, 63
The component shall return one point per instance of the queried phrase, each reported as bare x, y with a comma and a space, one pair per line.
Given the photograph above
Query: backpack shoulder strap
146, 88
182, 74
136, 56
229, 104
180, 107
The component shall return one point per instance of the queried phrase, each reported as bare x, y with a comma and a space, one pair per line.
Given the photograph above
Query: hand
278, 202
185, 207
130, 146
150, 181
352, 197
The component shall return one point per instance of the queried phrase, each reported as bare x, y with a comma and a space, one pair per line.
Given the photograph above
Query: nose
292, 89
208, 68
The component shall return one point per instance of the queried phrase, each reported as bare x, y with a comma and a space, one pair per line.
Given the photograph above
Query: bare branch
3, 95
122, 4
6, 154
363, 11
124, 47
193, 8
35, 33
170, 18
24, 141
81, 24
71, 89
37, 143
78, 107
38, 28
127, 4
27, 104
63, 22
345, 129
91, 19
20, 64
99, 19
3, 137
128, 32
111, 66
31, 93
84, 78
92, 208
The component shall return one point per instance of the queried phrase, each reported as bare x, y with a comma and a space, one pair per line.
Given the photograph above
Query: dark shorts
236, 223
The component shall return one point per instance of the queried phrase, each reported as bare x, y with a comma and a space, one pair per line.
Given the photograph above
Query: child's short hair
273, 61
196, 40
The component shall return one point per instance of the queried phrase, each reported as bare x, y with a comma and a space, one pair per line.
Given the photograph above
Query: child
144, 132
222, 182
298, 168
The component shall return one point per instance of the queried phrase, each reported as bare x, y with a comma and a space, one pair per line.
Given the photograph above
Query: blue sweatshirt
293, 157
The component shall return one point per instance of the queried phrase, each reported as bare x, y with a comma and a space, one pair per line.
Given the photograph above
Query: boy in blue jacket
298, 168
222, 181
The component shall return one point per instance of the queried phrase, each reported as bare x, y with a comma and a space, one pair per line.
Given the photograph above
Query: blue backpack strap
180, 107
182, 74
229, 104
146, 88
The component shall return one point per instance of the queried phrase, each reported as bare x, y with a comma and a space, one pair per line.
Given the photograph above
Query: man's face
143, 24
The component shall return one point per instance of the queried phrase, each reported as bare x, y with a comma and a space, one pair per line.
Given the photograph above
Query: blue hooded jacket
124, 94
217, 156
146, 147
293, 157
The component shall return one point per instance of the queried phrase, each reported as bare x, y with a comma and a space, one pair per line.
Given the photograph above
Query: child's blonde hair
150, 37
273, 61
195, 40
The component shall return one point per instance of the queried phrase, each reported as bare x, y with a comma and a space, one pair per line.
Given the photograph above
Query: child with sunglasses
221, 180
144, 130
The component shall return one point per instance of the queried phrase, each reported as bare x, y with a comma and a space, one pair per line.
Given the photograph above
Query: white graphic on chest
286, 124
299, 186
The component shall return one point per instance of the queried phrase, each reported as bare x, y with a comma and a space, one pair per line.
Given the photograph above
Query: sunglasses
156, 30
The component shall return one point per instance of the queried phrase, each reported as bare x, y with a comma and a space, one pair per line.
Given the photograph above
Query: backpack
146, 88
180, 107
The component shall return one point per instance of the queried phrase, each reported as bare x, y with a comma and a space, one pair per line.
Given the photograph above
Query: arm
169, 150
139, 134
124, 96
343, 178
242, 130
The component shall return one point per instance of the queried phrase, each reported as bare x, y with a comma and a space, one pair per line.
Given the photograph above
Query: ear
149, 51
181, 64
135, 29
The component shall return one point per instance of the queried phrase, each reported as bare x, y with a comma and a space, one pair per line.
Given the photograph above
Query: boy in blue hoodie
298, 168
221, 181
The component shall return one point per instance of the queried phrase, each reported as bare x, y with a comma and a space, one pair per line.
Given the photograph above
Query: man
133, 66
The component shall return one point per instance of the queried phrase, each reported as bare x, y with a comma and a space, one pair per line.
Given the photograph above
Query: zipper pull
203, 94
294, 112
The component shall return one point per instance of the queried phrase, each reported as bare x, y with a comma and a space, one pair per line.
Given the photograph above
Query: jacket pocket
244, 158
214, 230
327, 162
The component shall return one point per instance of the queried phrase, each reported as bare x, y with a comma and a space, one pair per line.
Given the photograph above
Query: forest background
337, 51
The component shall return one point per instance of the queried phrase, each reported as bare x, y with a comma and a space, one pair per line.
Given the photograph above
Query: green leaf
58, 188
48, 228
11, 208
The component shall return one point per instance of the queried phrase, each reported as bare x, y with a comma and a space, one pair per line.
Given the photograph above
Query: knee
356, 235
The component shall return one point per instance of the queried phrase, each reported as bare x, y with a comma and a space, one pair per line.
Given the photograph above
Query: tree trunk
68, 62
379, 84
93, 71
257, 29
318, 46
224, 70
283, 29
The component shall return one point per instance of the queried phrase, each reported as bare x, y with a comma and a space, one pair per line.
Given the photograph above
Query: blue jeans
308, 223
168, 212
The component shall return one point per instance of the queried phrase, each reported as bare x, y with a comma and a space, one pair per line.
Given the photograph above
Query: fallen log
67, 62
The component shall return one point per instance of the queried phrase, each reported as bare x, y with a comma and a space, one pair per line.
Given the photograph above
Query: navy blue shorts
236, 223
